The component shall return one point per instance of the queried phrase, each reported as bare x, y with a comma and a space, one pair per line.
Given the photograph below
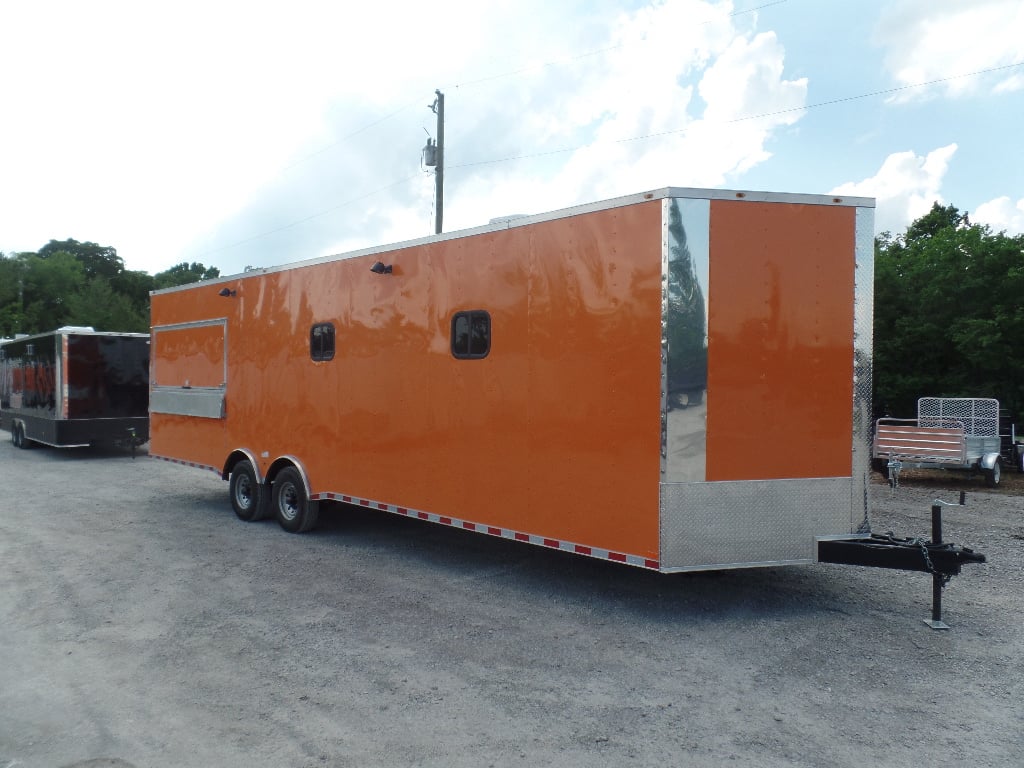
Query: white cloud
904, 188
1001, 214
928, 40
257, 133
659, 96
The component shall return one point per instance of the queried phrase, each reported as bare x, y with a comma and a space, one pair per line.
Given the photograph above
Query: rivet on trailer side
677, 380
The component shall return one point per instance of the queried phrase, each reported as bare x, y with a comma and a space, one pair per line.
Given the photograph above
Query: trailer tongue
942, 560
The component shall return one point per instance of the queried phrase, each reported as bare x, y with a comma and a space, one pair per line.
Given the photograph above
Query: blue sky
260, 133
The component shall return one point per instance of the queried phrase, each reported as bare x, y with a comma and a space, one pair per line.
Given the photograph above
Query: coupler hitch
942, 560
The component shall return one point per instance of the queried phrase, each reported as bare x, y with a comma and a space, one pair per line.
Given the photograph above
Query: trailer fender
989, 460
241, 454
289, 461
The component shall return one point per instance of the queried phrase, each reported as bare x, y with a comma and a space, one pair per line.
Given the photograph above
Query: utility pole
434, 156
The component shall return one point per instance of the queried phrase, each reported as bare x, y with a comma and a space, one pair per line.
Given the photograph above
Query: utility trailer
676, 380
960, 433
75, 387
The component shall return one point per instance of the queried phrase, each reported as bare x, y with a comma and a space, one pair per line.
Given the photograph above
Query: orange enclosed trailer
676, 380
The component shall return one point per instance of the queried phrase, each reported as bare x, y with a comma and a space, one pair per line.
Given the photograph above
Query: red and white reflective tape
491, 530
186, 463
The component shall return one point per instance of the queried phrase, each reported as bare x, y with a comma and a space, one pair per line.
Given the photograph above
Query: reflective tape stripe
185, 463
490, 530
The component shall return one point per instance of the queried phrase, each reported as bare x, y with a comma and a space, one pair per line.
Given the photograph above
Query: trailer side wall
555, 432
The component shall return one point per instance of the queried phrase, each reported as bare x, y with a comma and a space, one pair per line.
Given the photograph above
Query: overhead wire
491, 78
745, 118
511, 73
575, 148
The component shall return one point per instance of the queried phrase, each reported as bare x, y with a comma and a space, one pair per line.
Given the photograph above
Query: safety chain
946, 577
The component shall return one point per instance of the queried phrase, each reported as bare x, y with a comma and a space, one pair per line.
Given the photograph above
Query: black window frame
317, 352
471, 315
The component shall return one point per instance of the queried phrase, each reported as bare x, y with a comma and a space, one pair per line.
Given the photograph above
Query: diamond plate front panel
863, 338
737, 524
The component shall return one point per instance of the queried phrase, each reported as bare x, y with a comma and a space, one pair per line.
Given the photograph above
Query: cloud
928, 40
237, 133
679, 92
1001, 214
904, 188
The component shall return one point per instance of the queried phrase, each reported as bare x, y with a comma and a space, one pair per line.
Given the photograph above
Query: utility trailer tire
992, 475
248, 496
14, 435
293, 509
19, 438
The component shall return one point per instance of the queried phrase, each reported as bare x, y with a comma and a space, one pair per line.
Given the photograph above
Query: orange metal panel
780, 341
199, 441
557, 432
192, 356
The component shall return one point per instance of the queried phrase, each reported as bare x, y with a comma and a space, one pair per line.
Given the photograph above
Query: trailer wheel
247, 495
14, 435
19, 438
294, 511
992, 476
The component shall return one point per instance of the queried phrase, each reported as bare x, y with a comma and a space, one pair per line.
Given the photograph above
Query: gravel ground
143, 625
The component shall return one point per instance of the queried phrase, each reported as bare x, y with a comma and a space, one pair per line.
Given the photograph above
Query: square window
321, 342
471, 335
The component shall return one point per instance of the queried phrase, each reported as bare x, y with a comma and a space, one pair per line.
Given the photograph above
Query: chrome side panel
685, 269
204, 403
749, 523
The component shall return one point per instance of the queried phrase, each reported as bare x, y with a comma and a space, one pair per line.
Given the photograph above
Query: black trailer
75, 387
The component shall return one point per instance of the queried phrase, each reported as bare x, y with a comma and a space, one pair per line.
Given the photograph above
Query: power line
597, 52
500, 76
312, 216
830, 102
745, 118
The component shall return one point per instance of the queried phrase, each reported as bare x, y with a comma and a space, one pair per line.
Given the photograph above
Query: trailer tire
992, 475
248, 497
22, 442
292, 507
14, 435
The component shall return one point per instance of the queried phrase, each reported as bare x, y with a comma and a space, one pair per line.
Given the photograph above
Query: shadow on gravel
459, 556
104, 452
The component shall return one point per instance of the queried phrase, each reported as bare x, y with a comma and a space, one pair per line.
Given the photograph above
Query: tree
96, 260
184, 273
12, 310
100, 306
47, 286
68, 282
948, 313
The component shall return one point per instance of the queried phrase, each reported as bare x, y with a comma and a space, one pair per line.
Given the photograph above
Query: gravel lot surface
142, 624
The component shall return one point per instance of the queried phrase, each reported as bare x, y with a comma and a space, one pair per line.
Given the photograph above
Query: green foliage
72, 283
96, 261
48, 284
100, 306
948, 314
184, 273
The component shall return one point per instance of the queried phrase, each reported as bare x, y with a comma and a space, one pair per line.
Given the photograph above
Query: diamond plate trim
863, 332
737, 524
